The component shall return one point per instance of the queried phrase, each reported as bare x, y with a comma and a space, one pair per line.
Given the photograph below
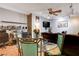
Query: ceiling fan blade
57, 11
55, 14
50, 9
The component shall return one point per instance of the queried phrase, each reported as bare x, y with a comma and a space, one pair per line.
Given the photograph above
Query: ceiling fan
54, 12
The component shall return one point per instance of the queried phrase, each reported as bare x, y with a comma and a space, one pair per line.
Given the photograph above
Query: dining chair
58, 50
60, 42
29, 48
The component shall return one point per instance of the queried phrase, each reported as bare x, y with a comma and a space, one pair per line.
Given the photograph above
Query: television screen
46, 24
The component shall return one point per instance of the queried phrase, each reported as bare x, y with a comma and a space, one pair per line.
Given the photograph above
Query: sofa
51, 37
3, 38
71, 45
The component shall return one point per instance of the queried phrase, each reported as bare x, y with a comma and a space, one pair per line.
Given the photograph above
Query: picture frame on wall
62, 24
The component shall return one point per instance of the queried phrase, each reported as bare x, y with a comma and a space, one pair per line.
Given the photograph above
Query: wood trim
29, 24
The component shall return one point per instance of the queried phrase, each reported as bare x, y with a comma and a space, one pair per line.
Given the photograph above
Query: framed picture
62, 24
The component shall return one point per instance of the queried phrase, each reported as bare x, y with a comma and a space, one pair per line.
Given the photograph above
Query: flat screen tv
46, 24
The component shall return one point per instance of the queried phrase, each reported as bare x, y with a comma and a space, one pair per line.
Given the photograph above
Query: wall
73, 25
7, 15
41, 19
43, 29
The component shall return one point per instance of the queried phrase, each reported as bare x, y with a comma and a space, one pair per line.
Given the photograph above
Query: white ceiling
39, 8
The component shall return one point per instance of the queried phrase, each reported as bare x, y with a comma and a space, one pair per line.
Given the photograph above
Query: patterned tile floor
9, 51
13, 51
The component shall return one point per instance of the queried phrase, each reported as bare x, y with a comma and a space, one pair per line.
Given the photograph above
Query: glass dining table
52, 49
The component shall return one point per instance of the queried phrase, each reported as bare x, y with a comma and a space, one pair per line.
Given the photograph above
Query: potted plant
36, 31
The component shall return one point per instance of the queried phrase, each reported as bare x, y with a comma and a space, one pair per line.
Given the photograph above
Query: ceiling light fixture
71, 7
71, 10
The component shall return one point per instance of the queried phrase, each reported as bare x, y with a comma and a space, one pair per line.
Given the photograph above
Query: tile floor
9, 51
